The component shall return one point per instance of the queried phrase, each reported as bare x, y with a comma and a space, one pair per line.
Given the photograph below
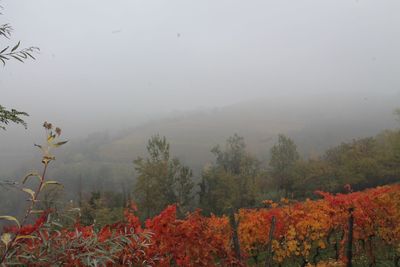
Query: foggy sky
106, 64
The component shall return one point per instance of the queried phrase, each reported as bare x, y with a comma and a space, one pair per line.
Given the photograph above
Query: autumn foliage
309, 233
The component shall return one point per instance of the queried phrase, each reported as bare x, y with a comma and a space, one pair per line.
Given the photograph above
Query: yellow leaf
34, 174
59, 144
50, 182
36, 211
25, 237
29, 191
74, 210
6, 238
10, 218
50, 137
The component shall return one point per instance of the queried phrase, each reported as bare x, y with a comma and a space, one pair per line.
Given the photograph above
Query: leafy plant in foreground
10, 240
48, 243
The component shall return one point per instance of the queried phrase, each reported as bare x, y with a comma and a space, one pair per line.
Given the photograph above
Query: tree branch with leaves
14, 116
7, 53
13, 52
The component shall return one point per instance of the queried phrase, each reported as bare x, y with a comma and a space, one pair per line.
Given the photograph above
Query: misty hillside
104, 161
315, 123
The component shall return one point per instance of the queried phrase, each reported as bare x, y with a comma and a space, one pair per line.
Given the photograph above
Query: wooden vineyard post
268, 257
349, 249
235, 238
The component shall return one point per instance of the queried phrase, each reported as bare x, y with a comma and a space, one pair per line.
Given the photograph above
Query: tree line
237, 179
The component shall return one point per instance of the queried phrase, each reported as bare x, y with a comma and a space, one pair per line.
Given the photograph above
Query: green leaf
17, 58
57, 224
23, 55
29, 191
32, 57
10, 218
15, 47
4, 50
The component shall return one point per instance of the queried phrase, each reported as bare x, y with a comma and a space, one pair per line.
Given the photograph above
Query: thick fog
111, 65
114, 62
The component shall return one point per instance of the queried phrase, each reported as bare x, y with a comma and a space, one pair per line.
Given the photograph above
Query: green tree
311, 175
184, 186
162, 180
284, 156
102, 208
7, 53
355, 163
231, 182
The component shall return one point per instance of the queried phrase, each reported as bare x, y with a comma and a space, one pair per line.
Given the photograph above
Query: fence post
235, 238
349, 249
268, 257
